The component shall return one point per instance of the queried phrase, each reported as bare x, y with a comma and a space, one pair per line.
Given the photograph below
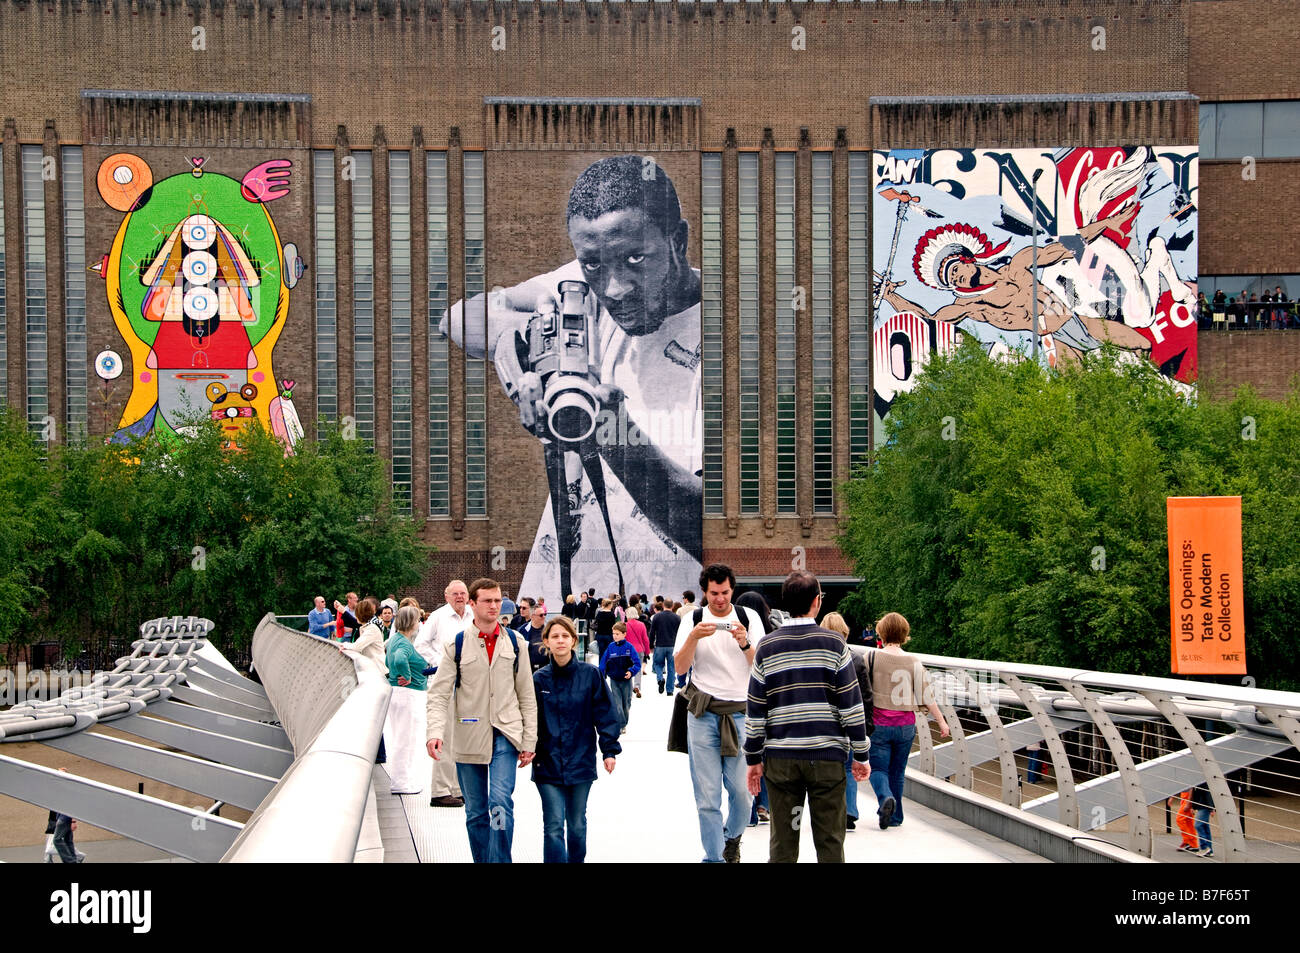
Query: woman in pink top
639, 639
899, 687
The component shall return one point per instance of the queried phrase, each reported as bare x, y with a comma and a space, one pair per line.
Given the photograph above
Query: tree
1019, 514
117, 535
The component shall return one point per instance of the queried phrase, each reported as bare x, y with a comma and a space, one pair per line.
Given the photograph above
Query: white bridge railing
1101, 753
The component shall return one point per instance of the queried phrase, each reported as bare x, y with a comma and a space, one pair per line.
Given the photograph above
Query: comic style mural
198, 284
953, 247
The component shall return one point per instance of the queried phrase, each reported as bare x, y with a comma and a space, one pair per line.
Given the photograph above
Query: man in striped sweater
804, 717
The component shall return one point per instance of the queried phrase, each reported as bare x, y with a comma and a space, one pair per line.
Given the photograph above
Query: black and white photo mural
592, 323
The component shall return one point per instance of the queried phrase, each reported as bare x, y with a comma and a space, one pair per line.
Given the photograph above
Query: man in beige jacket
488, 695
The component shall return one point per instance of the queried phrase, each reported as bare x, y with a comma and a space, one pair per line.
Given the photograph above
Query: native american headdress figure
944, 246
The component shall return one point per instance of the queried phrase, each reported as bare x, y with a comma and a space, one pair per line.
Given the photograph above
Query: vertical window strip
439, 367
74, 291
4, 308
823, 338
326, 270
748, 252
475, 368
859, 295
399, 231
786, 475
363, 295
711, 328
38, 403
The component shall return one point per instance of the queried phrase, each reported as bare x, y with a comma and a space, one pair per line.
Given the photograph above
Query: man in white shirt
644, 460
718, 648
437, 631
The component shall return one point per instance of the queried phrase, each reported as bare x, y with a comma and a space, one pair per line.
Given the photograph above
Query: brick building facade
528, 92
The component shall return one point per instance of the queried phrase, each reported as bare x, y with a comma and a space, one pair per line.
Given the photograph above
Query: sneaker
763, 816
1186, 847
447, 800
661, 688
1204, 852
731, 851
852, 824
886, 812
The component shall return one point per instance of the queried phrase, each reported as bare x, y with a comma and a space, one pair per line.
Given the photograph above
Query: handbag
677, 724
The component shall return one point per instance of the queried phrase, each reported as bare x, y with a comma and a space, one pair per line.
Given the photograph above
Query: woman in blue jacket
573, 707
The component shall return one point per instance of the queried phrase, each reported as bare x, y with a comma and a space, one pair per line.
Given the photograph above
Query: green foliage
96, 539
1037, 531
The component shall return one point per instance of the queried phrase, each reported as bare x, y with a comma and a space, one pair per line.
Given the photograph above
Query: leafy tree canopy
1019, 514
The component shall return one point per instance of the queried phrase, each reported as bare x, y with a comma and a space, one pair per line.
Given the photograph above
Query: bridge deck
645, 812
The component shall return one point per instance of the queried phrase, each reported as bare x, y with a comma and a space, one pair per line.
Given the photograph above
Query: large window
363, 295
327, 315
823, 371
475, 367
435, 165
1265, 130
748, 418
711, 328
784, 301
399, 232
859, 295
74, 290
38, 378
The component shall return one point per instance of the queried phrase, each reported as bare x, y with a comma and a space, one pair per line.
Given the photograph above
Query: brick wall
1267, 360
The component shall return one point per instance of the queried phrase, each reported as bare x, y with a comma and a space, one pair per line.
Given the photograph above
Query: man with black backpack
489, 697
716, 643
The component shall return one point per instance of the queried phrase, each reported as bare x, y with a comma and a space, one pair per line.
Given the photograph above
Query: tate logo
75, 906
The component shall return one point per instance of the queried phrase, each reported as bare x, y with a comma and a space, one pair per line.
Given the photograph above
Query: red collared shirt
490, 640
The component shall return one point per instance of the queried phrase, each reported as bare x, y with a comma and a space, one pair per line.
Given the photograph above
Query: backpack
460, 643
868, 696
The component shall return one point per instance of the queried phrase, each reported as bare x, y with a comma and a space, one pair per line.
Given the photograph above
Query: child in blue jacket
572, 708
620, 663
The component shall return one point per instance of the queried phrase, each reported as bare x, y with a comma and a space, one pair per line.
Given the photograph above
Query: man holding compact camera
719, 641
602, 357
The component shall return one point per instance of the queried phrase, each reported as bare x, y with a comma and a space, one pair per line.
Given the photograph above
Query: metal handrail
335, 734
1136, 740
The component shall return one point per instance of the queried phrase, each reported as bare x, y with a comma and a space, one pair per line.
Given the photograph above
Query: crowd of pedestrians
772, 709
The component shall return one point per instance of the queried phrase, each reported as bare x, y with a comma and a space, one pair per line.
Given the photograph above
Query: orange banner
1205, 590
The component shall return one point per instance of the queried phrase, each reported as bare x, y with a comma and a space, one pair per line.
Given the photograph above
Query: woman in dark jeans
604, 624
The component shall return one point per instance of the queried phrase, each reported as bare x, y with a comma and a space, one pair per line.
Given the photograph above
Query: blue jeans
564, 804
620, 696
710, 772
664, 659
890, 746
1203, 839
488, 790
851, 789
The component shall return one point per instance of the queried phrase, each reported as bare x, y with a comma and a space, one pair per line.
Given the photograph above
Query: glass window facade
711, 328
748, 303
1265, 130
435, 166
399, 260
363, 295
326, 269
74, 291
786, 344
35, 305
475, 367
859, 296
823, 370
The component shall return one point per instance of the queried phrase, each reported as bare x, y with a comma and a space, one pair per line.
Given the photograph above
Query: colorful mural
953, 246
198, 284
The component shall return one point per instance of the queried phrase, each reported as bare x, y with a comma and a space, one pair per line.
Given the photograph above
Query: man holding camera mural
602, 357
